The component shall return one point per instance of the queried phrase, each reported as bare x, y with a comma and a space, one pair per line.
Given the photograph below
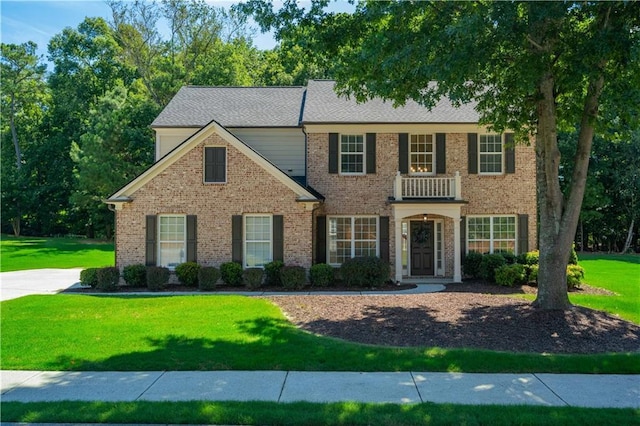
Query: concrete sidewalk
579, 390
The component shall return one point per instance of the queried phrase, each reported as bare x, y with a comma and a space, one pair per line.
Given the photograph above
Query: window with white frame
172, 240
258, 240
421, 154
352, 237
491, 234
490, 154
352, 154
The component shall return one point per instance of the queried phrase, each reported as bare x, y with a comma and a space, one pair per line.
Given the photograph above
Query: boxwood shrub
208, 276
89, 277
488, 266
367, 271
510, 275
575, 275
293, 277
107, 278
471, 264
321, 275
157, 277
231, 273
135, 275
252, 277
187, 273
272, 273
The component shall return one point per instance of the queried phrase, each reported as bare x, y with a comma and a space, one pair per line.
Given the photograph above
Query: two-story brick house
298, 174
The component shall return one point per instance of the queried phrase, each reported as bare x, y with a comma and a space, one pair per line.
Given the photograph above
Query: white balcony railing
428, 187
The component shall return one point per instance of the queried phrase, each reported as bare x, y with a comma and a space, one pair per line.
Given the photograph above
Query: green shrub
187, 273
208, 276
293, 277
107, 278
365, 272
510, 275
231, 273
89, 277
575, 275
321, 275
529, 258
272, 272
573, 256
135, 275
252, 277
488, 266
509, 257
471, 264
157, 277
532, 276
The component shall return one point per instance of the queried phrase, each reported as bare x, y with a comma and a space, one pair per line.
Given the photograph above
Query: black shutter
403, 153
370, 152
236, 239
151, 247
523, 233
215, 164
333, 153
192, 238
472, 147
321, 239
510, 153
463, 238
278, 237
441, 153
384, 238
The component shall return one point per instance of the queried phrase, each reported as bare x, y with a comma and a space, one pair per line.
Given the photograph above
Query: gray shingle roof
324, 106
195, 106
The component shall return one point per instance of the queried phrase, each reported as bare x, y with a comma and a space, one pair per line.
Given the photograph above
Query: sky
40, 20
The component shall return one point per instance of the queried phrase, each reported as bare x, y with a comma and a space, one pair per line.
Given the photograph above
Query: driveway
37, 281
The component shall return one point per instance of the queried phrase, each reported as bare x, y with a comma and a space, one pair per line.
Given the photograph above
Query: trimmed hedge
488, 266
208, 276
107, 278
293, 277
89, 277
135, 275
471, 264
187, 273
231, 273
157, 277
575, 275
272, 273
368, 271
321, 275
252, 277
510, 275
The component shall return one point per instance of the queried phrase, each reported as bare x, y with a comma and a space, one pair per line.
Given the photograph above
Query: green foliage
529, 258
488, 266
89, 277
532, 275
293, 277
187, 273
575, 275
252, 277
510, 275
471, 264
157, 277
135, 275
107, 278
365, 272
231, 273
321, 275
573, 256
272, 272
208, 276
509, 257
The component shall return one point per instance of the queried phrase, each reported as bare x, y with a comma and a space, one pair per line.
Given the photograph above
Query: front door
422, 248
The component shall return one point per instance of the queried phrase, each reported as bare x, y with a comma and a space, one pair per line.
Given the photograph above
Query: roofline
387, 122
198, 126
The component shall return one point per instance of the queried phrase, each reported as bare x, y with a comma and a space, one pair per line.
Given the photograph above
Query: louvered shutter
472, 147
441, 153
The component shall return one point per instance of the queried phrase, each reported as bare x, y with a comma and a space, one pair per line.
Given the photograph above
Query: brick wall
180, 190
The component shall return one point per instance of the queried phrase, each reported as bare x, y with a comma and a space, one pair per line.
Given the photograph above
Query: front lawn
73, 332
23, 253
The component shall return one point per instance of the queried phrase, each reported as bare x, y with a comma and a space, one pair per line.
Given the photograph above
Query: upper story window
172, 240
490, 154
421, 155
352, 154
215, 164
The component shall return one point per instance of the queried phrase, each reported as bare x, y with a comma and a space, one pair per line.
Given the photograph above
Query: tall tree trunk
627, 243
15, 222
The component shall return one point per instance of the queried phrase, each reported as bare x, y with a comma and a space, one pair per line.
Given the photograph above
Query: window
490, 154
421, 154
352, 237
352, 154
491, 234
215, 164
258, 232
172, 234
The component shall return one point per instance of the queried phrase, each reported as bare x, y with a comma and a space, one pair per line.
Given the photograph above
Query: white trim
364, 154
352, 237
204, 164
502, 155
160, 241
245, 241
491, 231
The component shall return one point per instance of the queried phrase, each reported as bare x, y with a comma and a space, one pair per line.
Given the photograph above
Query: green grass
347, 413
23, 253
74, 332
617, 273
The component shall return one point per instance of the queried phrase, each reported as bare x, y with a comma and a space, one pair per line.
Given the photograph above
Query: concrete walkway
578, 390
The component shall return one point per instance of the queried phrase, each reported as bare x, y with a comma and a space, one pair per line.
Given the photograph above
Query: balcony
425, 187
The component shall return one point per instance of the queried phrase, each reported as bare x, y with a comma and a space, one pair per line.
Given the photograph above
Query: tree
22, 89
532, 67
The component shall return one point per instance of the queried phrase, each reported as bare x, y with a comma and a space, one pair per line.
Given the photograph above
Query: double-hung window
491, 234
421, 155
490, 154
258, 240
352, 237
352, 154
172, 244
